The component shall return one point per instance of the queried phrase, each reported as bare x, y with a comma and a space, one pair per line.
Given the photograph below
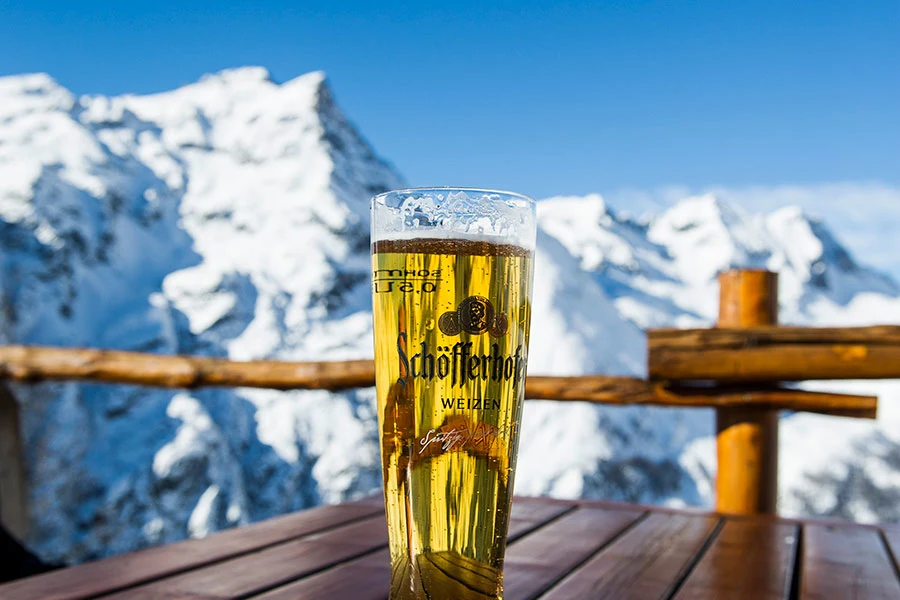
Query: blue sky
570, 98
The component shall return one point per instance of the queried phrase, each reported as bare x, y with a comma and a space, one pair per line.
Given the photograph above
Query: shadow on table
17, 562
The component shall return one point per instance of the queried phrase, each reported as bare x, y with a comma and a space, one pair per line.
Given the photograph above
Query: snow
230, 218
828, 466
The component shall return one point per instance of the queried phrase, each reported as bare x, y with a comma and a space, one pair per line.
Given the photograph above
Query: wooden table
557, 550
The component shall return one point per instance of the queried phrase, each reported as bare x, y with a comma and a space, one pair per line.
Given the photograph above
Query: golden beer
451, 320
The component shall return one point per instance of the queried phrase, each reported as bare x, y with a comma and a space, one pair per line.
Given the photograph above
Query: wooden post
747, 438
13, 507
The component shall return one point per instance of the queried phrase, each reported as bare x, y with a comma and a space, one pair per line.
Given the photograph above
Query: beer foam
476, 215
423, 245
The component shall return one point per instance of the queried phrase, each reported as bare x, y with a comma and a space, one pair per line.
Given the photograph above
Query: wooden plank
13, 486
364, 578
376, 499
842, 561
750, 559
769, 353
530, 513
39, 363
368, 577
540, 559
892, 539
629, 391
127, 570
778, 363
263, 570
767, 335
647, 562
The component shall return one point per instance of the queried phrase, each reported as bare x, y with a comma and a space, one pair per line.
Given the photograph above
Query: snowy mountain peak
662, 269
811, 237
592, 208
239, 75
707, 207
229, 217
21, 95
708, 222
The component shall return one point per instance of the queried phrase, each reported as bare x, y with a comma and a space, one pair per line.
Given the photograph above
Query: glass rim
377, 198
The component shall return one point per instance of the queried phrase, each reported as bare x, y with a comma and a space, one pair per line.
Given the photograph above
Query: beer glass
452, 277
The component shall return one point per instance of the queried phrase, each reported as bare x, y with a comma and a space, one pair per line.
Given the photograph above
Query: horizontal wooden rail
35, 363
631, 391
771, 353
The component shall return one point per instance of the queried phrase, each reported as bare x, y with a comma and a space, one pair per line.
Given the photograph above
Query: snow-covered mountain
660, 271
230, 218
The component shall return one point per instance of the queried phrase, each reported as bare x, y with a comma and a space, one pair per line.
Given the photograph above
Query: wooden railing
34, 364
748, 347
734, 368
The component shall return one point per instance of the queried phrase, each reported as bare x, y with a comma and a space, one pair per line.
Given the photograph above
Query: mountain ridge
230, 218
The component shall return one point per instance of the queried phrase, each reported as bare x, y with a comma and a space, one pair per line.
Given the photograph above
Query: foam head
454, 213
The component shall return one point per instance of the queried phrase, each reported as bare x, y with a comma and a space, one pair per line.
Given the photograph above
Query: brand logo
460, 364
474, 315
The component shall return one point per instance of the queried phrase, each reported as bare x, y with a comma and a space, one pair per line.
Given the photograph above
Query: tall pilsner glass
452, 307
